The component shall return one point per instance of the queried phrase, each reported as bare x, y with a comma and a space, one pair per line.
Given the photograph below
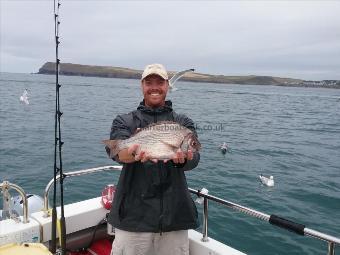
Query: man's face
154, 90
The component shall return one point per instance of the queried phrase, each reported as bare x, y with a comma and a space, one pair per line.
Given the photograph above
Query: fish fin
113, 146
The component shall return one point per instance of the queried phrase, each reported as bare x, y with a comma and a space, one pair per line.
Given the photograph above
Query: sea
290, 133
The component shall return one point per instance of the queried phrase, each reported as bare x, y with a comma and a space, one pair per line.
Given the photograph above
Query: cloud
286, 38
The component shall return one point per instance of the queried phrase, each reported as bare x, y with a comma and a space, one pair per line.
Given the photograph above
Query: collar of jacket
165, 108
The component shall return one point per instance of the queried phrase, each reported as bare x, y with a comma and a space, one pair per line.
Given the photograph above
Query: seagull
176, 77
200, 200
24, 97
224, 148
267, 181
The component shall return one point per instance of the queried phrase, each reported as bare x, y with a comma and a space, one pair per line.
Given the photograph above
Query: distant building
327, 83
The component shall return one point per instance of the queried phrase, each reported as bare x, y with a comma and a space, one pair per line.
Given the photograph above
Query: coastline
70, 69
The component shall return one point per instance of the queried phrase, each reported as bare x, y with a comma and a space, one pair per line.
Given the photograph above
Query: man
152, 209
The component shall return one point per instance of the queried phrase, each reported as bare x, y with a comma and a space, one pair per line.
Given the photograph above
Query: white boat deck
86, 214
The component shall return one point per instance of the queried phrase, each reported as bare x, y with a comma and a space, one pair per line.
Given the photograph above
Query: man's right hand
128, 155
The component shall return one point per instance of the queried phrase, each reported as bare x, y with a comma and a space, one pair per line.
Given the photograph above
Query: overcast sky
298, 39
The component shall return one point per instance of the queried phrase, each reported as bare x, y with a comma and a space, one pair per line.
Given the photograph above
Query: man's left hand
180, 156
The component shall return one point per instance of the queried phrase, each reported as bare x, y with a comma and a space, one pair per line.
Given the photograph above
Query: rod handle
287, 224
53, 244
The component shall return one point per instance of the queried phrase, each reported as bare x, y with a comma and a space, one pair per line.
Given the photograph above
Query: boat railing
272, 219
72, 174
5, 186
275, 220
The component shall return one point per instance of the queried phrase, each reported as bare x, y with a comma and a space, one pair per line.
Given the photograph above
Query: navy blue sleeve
120, 130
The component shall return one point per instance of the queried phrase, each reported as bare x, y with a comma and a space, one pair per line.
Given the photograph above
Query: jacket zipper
161, 168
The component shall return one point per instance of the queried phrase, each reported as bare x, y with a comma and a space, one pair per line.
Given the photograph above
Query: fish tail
112, 147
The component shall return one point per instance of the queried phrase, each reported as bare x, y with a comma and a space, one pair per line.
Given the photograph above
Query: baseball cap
157, 69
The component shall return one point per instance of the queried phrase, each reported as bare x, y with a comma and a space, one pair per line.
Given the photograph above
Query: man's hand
139, 155
128, 155
180, 156
132, 150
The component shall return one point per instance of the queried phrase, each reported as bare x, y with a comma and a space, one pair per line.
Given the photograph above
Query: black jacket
152, 197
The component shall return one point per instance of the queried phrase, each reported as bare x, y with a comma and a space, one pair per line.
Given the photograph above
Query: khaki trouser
145, 243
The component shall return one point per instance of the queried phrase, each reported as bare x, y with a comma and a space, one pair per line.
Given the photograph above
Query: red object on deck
100, 247
108, 194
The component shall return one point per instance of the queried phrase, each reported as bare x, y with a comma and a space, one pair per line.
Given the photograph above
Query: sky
296, 39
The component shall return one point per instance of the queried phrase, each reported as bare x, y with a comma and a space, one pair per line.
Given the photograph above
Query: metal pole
331, 248
234, 206
321, 236
205, 221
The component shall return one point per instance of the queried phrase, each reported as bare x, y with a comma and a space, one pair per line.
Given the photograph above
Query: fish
160, 140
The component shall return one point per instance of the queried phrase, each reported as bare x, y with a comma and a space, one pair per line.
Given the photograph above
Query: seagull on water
267, 181
24, 97
176, 77
224, 148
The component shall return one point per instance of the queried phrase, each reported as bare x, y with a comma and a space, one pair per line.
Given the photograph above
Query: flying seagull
176, 77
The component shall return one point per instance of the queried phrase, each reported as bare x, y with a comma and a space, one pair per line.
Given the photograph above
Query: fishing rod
58, 166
